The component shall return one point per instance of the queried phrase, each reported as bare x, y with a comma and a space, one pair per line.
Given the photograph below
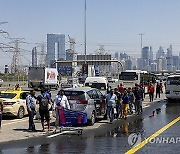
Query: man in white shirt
60, 101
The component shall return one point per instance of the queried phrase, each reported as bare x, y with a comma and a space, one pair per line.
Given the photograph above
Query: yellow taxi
14, 102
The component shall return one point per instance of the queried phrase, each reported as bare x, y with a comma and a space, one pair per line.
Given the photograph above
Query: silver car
89, 100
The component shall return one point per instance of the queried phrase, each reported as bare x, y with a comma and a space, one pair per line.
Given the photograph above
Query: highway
102, 137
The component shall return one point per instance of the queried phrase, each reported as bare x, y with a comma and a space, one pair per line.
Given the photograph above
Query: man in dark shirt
158, 90
138, 99
44, 101
125, 102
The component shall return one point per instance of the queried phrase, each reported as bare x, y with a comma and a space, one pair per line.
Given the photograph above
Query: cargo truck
39, 77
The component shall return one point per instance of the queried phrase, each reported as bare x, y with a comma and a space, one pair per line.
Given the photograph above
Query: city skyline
114, 24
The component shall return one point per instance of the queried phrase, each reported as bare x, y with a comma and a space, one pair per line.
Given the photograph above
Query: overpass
90, 62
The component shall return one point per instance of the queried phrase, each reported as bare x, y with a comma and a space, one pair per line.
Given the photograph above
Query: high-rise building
117, 55
123, 56
128, 64
139, 63
164, 63
147, 56
151, 54
55, 48
176, 62
169, 59
160, 53
34, 57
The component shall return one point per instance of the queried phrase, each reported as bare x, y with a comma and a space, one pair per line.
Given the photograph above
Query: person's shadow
26, 130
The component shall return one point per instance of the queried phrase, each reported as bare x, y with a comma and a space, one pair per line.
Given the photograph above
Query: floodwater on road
112, 141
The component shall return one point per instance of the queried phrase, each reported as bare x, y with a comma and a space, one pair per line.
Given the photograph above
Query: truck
39, 77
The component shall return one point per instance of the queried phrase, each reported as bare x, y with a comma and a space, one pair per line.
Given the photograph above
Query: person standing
158, 90
111, 100
125, 102
31, 105
1, 110
138, 99
44, 101
121, 88
131, 100
118, 104
151, 92
60, 101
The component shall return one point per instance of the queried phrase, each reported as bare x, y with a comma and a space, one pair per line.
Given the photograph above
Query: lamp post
85, 32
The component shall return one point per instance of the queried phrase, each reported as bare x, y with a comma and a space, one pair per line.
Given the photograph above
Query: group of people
151, 91
45, 104
121, 101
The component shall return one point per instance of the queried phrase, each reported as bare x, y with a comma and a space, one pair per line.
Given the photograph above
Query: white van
100, 83
173, 87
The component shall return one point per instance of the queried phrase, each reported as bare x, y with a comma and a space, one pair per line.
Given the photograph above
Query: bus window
128, 76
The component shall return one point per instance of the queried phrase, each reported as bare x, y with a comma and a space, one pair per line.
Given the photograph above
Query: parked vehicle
39, 77
89, 100
14, 102
173, 88
71, 83
111, 80
100, 83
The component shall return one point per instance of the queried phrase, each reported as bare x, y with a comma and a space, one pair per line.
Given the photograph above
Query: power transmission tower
15, 67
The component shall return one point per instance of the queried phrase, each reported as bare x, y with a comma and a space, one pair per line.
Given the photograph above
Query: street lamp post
85, 32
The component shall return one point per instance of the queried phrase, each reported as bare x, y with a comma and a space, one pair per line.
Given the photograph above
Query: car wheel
21, 112
92, 120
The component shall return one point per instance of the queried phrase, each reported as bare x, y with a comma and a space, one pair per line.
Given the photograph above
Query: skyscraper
147, 56
160, 53
55, 48
169, 59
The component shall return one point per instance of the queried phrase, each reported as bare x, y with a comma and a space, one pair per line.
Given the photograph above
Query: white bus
173, 88
131, 77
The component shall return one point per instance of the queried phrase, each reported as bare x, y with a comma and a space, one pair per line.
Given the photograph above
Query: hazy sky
112, 23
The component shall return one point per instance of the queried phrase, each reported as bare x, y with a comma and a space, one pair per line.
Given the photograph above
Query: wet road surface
109, 138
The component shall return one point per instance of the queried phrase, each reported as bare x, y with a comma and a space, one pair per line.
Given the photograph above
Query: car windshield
128, 76
100, 86
75, 95
174, 80
7, 95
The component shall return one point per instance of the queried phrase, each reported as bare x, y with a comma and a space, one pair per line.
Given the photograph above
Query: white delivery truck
39, 77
